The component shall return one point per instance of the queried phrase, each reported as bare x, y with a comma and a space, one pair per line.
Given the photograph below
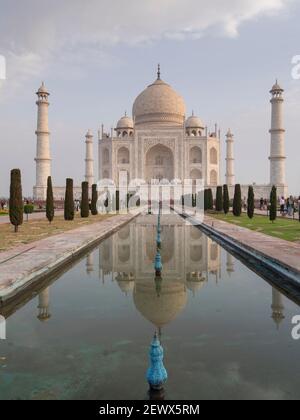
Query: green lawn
282, 228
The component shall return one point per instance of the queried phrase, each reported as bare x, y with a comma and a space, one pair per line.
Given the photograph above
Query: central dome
159, 104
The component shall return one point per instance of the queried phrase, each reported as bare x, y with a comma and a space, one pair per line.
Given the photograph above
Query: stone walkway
22, 266
287, 253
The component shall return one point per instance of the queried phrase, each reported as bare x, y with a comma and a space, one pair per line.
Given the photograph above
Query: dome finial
158, 72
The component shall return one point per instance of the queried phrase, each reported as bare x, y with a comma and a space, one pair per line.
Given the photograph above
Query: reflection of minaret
89, 264
230, 263
277, 307
44, 299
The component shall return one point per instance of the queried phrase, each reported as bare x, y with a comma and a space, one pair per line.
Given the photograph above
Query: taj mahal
160, 143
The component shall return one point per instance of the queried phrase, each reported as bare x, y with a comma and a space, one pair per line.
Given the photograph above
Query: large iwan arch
123, 156
159, 163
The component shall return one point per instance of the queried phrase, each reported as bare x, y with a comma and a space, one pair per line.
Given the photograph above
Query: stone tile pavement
287, 253
26, 264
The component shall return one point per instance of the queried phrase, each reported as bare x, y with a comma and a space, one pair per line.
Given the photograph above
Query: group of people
288, 206
3, 205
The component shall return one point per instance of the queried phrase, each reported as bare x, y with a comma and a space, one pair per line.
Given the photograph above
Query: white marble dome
194, 122
160, 104
125, 123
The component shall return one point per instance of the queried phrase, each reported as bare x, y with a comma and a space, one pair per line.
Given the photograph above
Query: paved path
34, 216
287, 253
26, 264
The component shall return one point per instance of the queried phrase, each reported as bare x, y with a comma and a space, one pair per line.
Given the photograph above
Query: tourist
282, 205
265, 204
261, 204
290, 206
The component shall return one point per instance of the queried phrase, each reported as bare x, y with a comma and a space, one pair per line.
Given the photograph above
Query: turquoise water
226, 333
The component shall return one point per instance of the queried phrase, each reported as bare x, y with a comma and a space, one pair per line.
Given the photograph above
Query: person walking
261, 204
282, 205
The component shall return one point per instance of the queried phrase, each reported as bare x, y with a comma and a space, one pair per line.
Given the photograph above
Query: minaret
277, 307
89, 159
43, 158
230, 176
277, 157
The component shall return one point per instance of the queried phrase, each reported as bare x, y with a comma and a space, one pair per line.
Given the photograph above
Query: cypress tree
69, 200
226, 200
219, 199
85, 208
16, 206
237, 201
205, 200
94, 209
273, 204
210, 199
50, 201
250, 203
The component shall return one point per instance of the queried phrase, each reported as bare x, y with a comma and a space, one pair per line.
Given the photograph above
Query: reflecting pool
226, 333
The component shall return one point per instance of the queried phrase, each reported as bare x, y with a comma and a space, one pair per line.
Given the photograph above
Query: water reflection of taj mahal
188, 256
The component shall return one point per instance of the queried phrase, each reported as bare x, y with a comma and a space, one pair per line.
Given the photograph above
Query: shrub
16, 199
28, 209
219, 199
85, 208
226, 200
210, 200
237, 201
273, 204
94, 209
250, 203
69, 200
50, 201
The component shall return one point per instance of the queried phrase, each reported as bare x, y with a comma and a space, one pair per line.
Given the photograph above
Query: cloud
35, 33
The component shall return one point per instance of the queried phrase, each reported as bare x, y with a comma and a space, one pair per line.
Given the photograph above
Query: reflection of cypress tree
250, 203
16, 207
237, 201
85, 208
94, 210
273, 204
219, 199
226, 200
49, 203
69, 200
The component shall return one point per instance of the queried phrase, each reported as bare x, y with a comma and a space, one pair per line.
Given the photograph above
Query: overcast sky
97, 56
